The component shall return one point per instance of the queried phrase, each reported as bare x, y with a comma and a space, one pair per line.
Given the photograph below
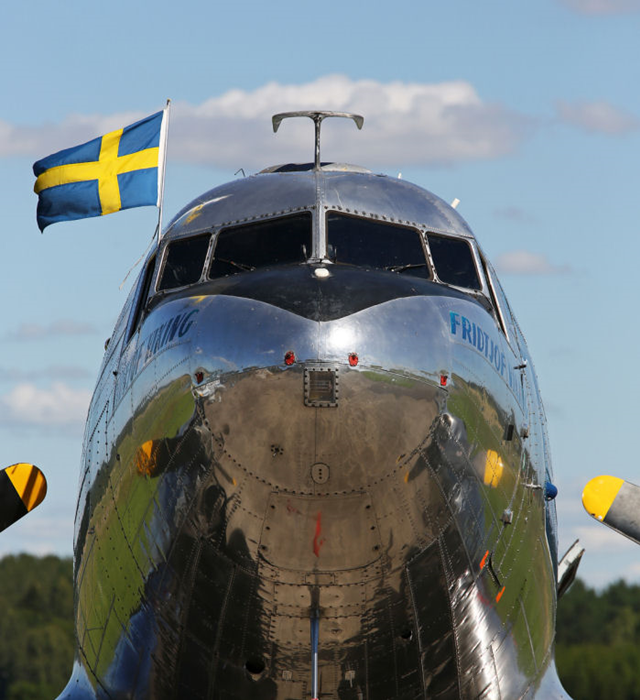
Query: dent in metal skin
218, 513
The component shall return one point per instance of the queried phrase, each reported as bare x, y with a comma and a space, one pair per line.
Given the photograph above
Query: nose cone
299, 409
317, 458
323, 313
286, 392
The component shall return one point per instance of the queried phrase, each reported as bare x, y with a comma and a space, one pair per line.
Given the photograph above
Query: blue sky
529, 113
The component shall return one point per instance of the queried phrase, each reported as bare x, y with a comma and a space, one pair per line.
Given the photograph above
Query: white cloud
405, 123
63, 327
597, 117
602, 7
600, 538
39, 141
31, 405
524, 262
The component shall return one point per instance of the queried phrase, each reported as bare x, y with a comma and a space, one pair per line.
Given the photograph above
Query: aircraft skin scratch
346, 449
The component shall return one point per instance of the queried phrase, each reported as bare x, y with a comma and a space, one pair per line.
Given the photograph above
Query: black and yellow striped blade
614, 502
22, 488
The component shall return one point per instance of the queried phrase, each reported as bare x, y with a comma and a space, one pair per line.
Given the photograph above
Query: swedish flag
119, 170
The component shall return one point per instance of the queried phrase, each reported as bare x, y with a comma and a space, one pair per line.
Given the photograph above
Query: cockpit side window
141, 297
283, 241
500, 300
184, 261
375, 244
453, 261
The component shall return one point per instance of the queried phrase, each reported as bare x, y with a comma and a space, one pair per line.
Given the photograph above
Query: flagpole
164, 139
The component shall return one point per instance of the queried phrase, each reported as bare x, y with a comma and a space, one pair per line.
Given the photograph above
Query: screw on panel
320, 473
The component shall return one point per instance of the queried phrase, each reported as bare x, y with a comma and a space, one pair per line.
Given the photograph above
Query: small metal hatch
321, 385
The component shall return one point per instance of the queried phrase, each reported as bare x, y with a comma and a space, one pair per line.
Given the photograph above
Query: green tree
598, 642
36, 626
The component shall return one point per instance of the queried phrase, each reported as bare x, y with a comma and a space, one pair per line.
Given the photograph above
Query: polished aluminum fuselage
222, 508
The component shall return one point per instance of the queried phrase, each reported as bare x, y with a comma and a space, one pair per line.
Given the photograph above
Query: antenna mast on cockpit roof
317, 117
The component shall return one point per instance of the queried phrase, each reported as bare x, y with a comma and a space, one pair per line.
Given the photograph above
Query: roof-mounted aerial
317, 117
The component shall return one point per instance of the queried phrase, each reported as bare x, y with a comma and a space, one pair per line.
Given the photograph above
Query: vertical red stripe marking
317, 542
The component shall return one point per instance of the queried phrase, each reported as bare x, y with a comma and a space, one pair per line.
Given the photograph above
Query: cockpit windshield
281, 241
453, 261
351, 240
375, 244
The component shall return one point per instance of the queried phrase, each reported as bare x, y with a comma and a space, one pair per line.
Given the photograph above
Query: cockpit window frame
506, 319
482, 289
165, 255
384, 222
213, 234
237, 225
494, 300
143, 293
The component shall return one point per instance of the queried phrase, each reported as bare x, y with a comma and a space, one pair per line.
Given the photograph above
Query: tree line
598, 642
597, 652
36, 626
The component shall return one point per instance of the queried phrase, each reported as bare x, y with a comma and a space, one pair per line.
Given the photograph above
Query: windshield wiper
240, 266
402, 268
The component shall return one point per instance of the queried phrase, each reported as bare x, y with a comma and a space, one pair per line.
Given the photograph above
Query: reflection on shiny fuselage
249, 466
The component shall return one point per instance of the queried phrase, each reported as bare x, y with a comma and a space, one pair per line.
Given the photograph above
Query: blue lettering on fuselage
160, 337
474, 335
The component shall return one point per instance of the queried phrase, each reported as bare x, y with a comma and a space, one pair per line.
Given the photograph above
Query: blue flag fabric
119, 170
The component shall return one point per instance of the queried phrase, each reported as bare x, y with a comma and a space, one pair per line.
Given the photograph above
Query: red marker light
289, 358
353, 359
443, 380
199, 377
484, 559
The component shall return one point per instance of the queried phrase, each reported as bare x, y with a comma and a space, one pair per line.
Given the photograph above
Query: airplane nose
318, 444
333, 406
316, 467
